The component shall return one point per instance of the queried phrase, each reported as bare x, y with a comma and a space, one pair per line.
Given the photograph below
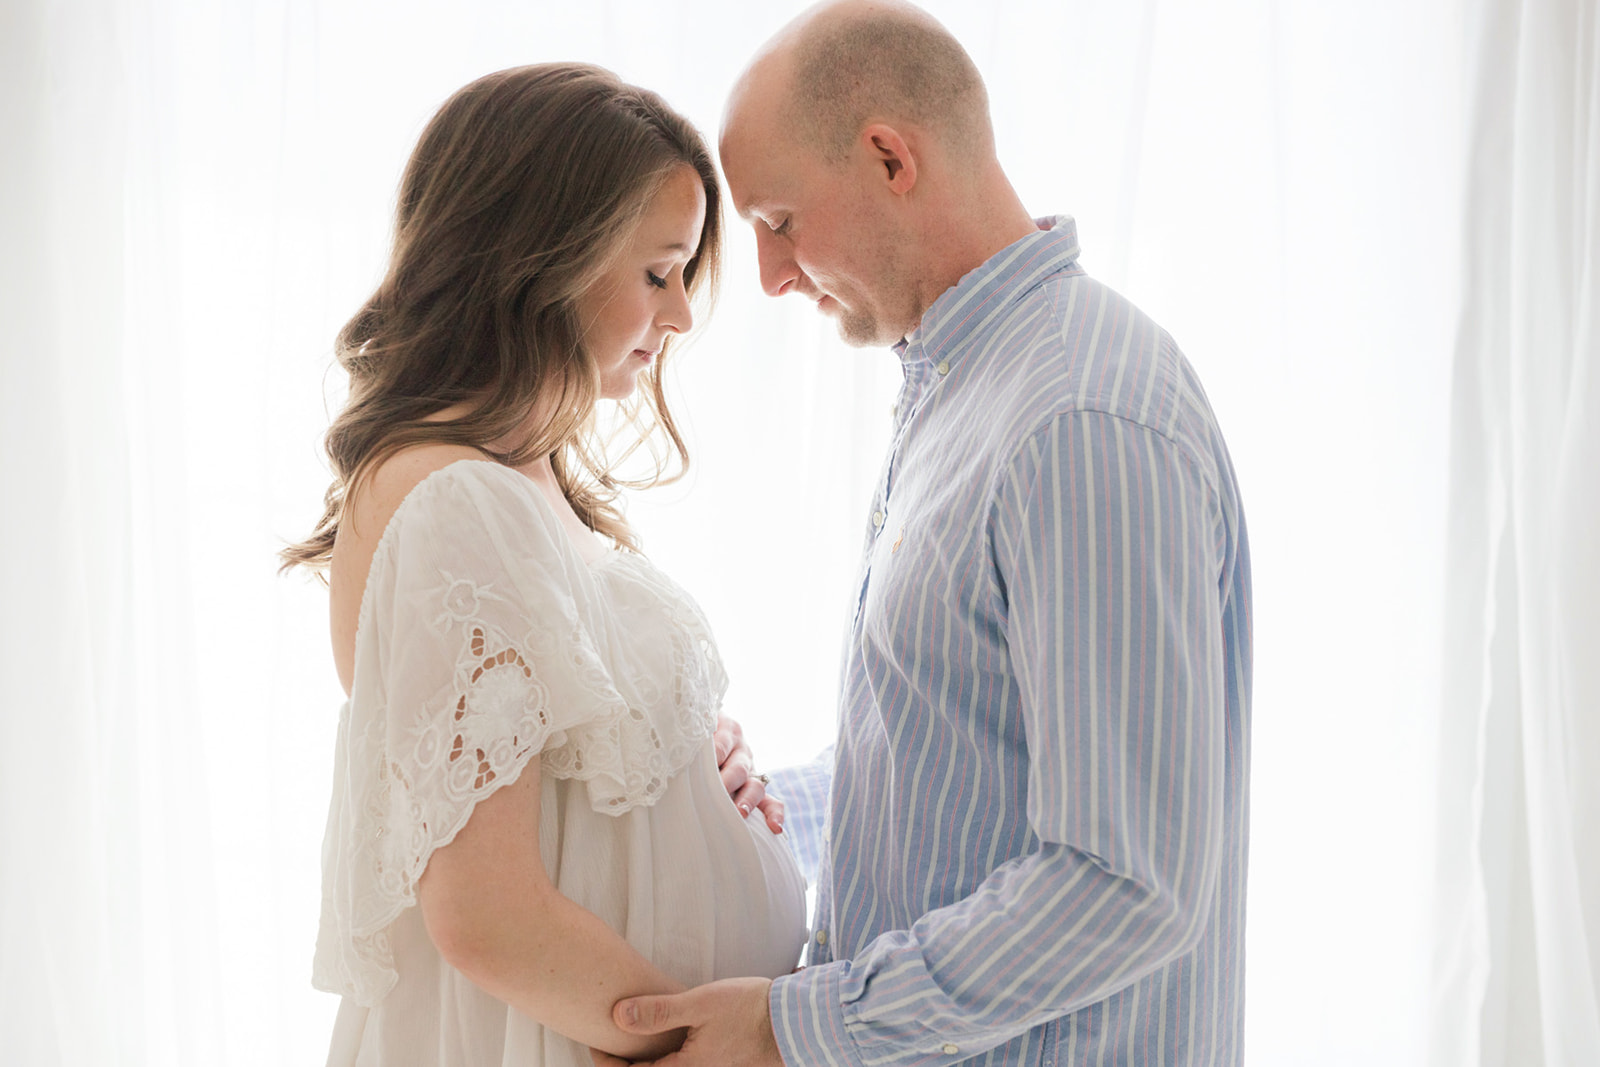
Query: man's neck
969, 237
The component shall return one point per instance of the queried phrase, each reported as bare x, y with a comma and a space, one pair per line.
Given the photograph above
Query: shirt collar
967, 305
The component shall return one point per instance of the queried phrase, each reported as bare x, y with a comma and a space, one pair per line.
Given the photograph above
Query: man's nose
779, 272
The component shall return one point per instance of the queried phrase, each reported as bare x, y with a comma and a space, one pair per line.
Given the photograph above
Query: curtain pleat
1518, 932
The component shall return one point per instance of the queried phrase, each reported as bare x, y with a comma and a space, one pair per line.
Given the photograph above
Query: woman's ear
889, 151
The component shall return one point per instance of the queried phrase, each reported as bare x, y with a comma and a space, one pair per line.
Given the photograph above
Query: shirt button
894, 411
877, 518
949, 1050
943, 368
822, 937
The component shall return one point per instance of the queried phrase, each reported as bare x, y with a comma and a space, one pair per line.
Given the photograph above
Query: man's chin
864, 333
856, 329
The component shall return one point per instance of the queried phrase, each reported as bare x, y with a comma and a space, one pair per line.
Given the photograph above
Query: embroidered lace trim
420, 783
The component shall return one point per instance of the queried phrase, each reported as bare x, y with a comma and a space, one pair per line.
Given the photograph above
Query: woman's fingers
750, 795
754, 796
737, 766
774, 811
728, 739
734, 758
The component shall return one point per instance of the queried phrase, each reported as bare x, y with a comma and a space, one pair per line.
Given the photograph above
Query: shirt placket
918, 373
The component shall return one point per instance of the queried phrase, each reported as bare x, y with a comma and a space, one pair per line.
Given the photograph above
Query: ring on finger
764, 779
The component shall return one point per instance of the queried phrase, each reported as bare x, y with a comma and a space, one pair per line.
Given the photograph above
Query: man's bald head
857, 145
846, 64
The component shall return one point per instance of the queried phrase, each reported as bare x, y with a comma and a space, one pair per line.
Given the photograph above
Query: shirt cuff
808, 1017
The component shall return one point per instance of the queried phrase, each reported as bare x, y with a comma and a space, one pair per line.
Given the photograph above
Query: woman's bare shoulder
370, 505
374, 500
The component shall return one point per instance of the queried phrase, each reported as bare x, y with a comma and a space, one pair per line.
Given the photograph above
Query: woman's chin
622, 385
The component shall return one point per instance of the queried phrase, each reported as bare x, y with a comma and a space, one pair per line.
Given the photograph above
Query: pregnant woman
527, 819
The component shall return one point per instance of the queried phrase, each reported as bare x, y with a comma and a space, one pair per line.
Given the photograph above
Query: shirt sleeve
1109, 542
804, 791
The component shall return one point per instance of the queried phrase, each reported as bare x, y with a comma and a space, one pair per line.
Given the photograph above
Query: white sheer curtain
1518, 976
195, 195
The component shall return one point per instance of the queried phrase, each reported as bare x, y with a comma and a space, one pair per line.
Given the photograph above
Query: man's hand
729, 1025
737, 764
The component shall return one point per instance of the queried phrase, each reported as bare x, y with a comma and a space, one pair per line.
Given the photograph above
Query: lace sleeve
477, 650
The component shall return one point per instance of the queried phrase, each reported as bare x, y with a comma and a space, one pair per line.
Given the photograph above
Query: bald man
1038, 809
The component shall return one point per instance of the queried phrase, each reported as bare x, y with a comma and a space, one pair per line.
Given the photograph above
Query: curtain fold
1518, 937
100, 765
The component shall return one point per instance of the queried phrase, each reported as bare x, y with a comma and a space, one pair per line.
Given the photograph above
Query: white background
208, 192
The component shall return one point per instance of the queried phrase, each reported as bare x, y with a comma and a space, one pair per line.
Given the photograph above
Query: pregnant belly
701, 891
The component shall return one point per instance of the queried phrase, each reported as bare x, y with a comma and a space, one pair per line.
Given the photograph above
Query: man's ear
890, 152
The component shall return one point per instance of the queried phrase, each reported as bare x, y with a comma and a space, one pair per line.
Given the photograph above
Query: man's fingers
650, 1014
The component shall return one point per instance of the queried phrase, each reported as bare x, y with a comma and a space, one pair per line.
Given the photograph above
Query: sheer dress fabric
485, 641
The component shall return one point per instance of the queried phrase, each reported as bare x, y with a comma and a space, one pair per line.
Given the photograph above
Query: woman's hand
737, 764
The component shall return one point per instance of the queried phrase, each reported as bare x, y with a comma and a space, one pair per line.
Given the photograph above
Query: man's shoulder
1072, 344
1072, 349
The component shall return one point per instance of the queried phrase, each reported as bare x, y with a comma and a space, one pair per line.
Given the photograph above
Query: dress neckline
532, 487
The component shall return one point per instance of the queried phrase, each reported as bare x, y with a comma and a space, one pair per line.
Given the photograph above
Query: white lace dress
484, 641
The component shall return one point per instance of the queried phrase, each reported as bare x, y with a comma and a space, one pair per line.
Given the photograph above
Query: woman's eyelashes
656, 279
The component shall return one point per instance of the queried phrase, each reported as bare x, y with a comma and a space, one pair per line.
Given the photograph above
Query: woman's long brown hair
520, 193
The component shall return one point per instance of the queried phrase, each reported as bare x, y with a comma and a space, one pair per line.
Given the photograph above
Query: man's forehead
751, 161
755, 110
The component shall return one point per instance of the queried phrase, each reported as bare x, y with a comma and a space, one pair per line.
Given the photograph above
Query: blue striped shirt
1037, 820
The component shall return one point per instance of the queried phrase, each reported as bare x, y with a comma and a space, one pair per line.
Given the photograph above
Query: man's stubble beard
861, 328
